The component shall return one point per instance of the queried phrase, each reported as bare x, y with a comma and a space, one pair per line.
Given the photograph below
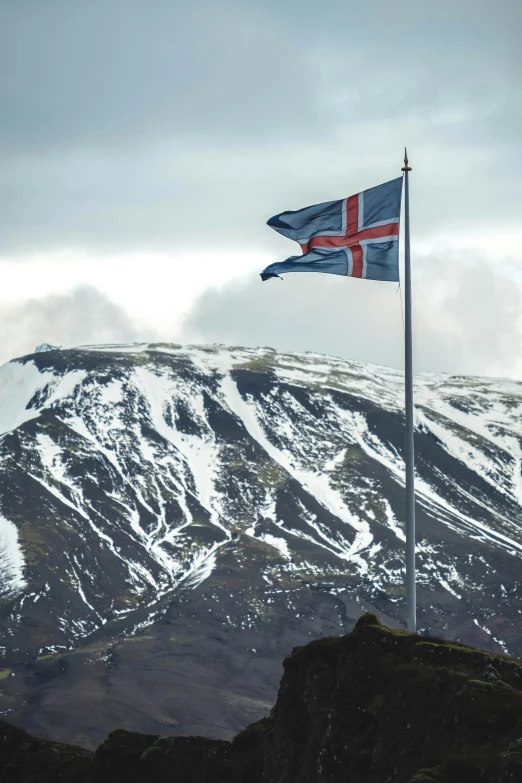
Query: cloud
140, 126
467, 317
125, 72
82, 316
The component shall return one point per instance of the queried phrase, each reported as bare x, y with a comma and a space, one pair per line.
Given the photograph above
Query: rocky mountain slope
175, 519
375, 706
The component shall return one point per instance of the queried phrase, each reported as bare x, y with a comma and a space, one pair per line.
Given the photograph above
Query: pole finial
406, 167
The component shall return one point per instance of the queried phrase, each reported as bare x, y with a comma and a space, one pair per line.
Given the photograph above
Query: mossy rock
375, 707
433, 775
257, 364
471, 766
250, 737
272, 475
355, 455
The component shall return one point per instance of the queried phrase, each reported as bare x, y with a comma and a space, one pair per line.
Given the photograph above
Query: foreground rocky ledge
375, 706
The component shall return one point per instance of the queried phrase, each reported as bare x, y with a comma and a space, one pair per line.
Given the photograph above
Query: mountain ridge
162, 495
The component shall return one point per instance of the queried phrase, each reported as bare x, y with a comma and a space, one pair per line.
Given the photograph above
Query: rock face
174, 520
376, 706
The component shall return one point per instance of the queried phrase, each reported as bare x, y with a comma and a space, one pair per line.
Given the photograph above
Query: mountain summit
175, 519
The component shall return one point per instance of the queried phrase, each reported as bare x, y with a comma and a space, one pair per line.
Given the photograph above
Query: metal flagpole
411, 599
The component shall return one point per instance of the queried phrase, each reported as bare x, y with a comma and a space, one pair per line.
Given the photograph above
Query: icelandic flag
356, 236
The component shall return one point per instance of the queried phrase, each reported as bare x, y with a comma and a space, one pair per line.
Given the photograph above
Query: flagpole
411, 600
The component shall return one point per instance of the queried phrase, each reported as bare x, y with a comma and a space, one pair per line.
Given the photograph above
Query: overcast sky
144, 144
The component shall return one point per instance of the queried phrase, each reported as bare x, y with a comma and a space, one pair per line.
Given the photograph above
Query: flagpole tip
406, 167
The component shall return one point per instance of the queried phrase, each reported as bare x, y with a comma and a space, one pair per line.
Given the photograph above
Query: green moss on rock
434, 775
272, 475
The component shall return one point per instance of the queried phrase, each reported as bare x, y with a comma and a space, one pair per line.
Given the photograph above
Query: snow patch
278, 543
12, 562
18, 385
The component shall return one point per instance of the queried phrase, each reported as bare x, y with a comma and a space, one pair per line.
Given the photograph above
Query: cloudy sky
144, 144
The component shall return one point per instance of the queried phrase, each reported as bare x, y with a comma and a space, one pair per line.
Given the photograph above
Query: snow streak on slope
316, 484
488, 413
98, 418
426, 494
199, 452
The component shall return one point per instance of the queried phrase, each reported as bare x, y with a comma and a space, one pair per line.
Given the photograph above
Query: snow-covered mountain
196, 511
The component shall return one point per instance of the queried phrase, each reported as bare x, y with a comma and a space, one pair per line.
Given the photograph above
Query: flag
356, 236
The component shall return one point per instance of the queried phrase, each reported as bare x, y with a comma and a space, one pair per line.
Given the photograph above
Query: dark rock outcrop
26, 758
375, 706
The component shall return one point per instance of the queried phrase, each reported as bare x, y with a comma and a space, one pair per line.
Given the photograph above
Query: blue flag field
356, 236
